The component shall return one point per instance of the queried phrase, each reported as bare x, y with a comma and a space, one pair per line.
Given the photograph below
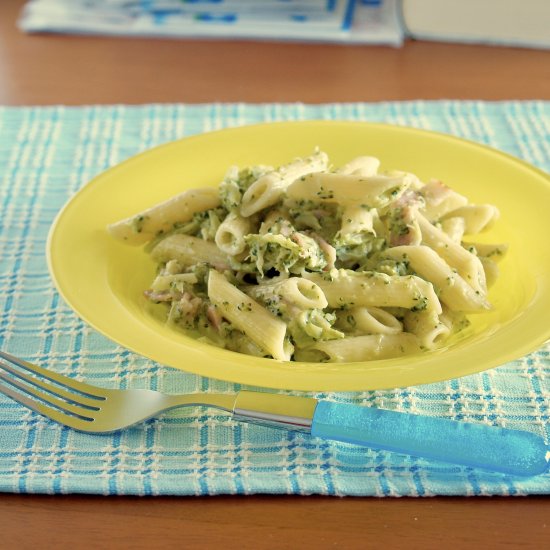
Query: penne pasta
454, 228
230, 236
163, 217
268, 189
356, 220
427, 327
310, 263
440, 199
452, 289
369, 347
466, 264
296, 291
477, 217
189, 251
493, 251
491, 270
347, 289
361, 166
369, 320
346, 189
248, 316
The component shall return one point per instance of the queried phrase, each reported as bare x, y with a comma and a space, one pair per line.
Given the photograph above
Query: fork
88, 408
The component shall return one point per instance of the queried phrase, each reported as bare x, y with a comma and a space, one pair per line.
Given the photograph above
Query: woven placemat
46, 155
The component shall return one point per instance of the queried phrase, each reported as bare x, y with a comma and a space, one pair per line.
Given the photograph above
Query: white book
506, 22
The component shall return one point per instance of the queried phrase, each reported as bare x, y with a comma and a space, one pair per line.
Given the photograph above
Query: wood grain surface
250, 522
53, 69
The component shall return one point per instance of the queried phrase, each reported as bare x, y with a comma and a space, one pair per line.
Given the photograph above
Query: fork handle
475, 445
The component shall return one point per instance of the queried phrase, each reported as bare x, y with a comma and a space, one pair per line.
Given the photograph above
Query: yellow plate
103, 280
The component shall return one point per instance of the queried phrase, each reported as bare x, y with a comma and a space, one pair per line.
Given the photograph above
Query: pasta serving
309, 262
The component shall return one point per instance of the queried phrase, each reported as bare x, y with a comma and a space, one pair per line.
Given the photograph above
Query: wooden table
45, 70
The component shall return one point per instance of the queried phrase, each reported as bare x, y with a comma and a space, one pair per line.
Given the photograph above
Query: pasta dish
312, 262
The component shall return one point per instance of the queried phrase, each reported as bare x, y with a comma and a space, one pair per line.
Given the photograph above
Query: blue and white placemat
48, 153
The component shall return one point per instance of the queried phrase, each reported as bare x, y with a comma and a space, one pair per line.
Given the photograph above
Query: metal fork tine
59, 403
57, 416
82, 387
78, 399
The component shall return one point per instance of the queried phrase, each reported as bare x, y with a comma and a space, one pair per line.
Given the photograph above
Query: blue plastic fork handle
475, 445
